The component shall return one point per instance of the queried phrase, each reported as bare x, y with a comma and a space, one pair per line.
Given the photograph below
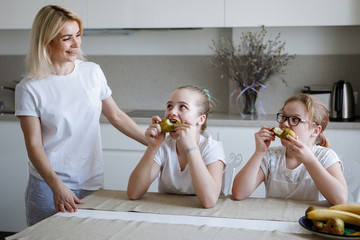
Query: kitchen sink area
7, 100
7, 112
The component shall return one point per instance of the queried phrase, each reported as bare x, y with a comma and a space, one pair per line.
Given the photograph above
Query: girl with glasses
303, 168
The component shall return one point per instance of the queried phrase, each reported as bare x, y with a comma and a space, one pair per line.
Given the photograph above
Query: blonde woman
59, 104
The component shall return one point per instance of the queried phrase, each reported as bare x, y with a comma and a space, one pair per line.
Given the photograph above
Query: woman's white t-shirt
172, 179
281, 182
69, 109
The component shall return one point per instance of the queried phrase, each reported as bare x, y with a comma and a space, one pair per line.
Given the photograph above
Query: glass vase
245, 102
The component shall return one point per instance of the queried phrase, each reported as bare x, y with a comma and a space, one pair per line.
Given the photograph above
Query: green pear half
283, 133
167, 125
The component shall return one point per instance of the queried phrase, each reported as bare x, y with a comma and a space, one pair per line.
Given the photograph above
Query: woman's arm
122, 121
33, 140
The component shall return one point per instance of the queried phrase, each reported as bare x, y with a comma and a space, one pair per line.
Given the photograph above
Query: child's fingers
156, 119
153, 130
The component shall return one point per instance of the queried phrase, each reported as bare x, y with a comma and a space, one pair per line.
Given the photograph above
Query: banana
349, 207
326, 214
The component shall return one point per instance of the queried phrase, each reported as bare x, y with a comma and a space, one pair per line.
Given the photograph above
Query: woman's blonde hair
47, 24
318, 114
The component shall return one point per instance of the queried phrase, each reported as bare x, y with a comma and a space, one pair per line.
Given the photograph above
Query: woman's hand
65, 199
263, 139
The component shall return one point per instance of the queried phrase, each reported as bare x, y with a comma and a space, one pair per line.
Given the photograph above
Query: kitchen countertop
233, 120
214, 119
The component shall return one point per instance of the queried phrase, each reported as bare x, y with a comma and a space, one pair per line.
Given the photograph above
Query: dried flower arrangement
251, 65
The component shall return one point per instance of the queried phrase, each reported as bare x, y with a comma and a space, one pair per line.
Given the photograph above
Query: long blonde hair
318, 113
46, 26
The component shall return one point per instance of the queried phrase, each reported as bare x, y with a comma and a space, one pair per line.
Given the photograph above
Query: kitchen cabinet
189, 14
20, 14
345, 142
155, 14
121, 155
13, 177
254, 13
120, 14
239, 143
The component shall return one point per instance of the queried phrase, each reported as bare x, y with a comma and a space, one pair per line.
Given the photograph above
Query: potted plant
254, 62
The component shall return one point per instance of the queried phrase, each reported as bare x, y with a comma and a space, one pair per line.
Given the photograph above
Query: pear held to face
168, 125
283, 133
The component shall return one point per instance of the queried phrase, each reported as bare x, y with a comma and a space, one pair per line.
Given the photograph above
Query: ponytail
322, 140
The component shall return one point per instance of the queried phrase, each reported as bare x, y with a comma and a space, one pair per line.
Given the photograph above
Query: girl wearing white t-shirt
188, 160
59, 104
303, 168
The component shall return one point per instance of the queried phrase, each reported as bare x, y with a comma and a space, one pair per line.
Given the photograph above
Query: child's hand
263, 139
298, 149
186, 135
153, 133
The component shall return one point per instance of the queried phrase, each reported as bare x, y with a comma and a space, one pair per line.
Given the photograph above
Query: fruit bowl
349, 229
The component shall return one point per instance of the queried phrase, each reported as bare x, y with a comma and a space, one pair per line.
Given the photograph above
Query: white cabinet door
155, 14
118, 165
121, 155
250, 13
13, 177
239, 145
346, 143
20, 14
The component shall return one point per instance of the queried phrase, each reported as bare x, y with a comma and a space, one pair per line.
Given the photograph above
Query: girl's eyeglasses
292, 120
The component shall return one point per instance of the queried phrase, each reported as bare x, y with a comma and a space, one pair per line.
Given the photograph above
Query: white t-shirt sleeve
213, 151
159, 157
327, 157
105, 90
25, 104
